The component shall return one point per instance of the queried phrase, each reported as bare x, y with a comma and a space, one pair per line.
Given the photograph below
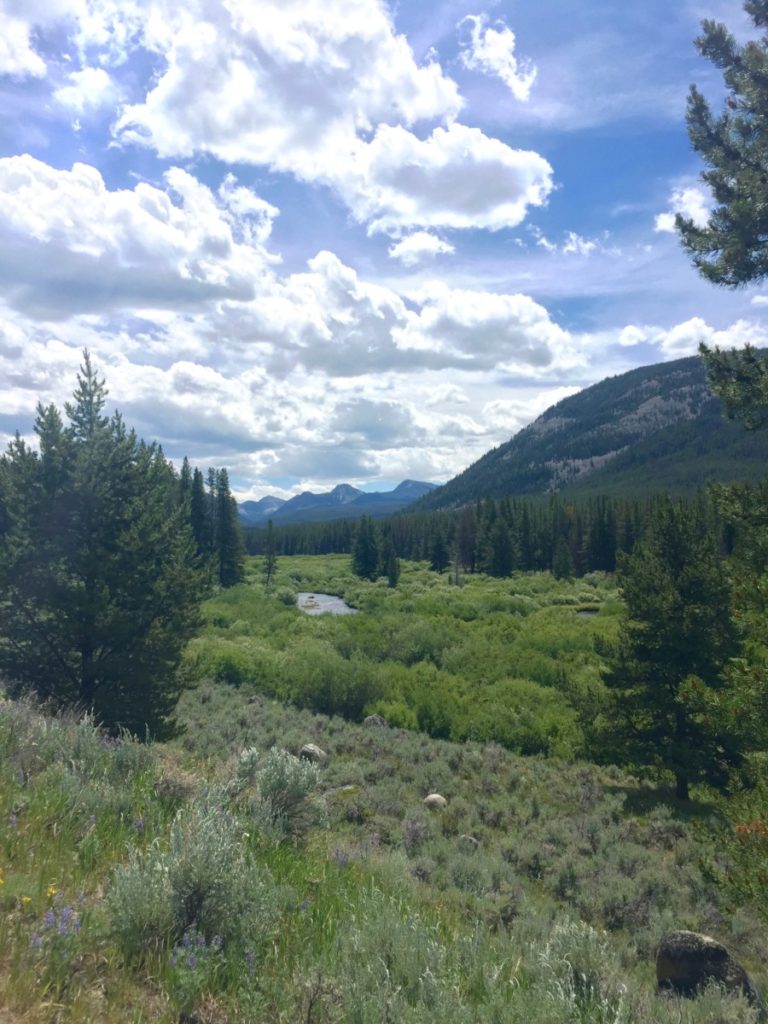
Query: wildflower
36, 941
25, 900
49, 918
51, 891
191, 961
216, 943
250, 961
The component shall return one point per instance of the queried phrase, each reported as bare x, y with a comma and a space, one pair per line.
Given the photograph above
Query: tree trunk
681, 787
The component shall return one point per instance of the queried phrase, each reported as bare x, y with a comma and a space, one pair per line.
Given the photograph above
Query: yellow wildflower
25, 900
51, 892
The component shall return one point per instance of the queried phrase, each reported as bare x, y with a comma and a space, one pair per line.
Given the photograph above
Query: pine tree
270, 556
439, 558
732, 249
666, 675
98, 586
199, 516
185, 481
501, 552
562, 560
365, 550
230, 550
390, 563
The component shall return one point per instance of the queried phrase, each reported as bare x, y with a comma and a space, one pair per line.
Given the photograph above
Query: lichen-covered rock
311, 752
687, 961
375, 722
435, 802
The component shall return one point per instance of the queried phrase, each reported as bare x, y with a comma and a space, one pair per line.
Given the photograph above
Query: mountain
343, 502
651, 429
252, 512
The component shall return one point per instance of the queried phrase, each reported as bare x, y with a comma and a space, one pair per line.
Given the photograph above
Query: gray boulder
435, 802
687, 961
375, 722
311, 752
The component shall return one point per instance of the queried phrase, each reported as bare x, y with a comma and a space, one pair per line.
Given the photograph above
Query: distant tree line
493, 536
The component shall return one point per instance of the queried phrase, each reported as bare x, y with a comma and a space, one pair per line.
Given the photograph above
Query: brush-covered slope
654, 428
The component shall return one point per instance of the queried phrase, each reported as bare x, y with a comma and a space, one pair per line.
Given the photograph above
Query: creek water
321, 604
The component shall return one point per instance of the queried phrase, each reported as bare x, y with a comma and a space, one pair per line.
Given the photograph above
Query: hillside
218, 879
658, 426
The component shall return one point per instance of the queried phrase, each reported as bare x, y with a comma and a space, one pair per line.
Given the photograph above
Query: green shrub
204, 878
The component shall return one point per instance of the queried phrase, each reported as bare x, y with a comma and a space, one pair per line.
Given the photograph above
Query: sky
352, 241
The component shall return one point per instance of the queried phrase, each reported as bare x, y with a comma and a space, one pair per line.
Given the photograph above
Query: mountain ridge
342, 502
656, 427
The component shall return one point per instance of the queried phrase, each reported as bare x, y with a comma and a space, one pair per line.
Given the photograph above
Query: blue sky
352, 241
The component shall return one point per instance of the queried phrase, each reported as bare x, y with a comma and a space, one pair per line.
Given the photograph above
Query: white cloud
68, 244
576, 245
419, 246
89, 89
691, 202
329, 94
18, 58
457, 178
482, 330
291, 85
492, 51
685, 338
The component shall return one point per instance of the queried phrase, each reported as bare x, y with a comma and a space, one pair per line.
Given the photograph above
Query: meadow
218, 878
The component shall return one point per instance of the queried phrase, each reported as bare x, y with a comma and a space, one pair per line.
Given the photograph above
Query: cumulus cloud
419, 246
18, 57
88, 89
691, 202
289, 85
68, 244
330, 95
684, 339
482, 330
458, 177
491, 50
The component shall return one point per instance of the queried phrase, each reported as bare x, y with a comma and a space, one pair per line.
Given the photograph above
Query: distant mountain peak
342, 502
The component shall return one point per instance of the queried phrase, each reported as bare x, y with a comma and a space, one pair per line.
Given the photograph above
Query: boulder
375, 722
687, 961
435, 802
311, 752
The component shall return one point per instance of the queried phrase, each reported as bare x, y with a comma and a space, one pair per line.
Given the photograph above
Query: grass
266, 890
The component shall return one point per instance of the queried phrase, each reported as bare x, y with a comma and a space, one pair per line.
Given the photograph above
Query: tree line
494, 536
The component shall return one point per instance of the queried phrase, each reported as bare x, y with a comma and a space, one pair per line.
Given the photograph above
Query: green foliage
98, 586
365, 551
732, 249
203, 878
666, 674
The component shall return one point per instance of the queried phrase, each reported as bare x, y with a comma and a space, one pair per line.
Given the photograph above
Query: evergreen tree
199, 516
390, 563
270, 555
230, 551
732, 249
98, 586
501, 553
185, 481
666, 674
562, 560
365, 550
439, 557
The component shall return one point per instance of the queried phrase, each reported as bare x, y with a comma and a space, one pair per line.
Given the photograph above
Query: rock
311, 752
435, 802
376, 722
468, 843
687, 961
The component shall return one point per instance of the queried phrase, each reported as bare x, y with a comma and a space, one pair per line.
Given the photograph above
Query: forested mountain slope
654, 428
